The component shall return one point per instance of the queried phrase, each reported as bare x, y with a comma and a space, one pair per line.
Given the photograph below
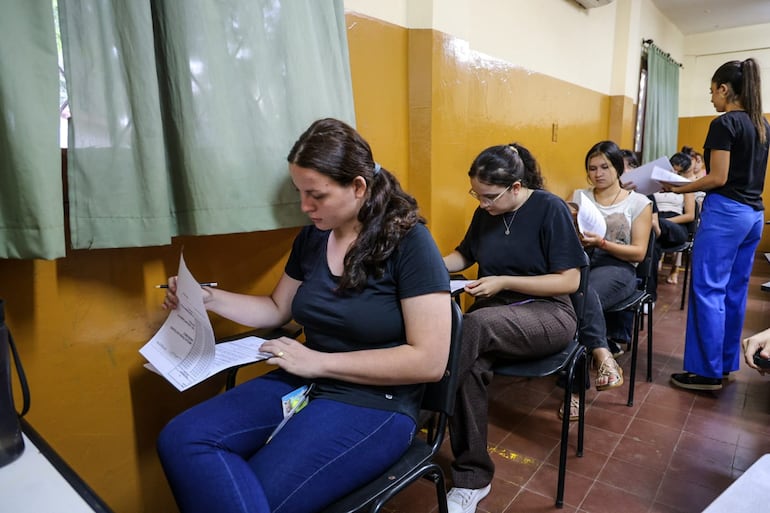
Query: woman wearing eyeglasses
528, 256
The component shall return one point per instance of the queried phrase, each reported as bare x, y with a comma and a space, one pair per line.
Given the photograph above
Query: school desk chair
291, 330
635, 304
570, 364
686, 251
418, 461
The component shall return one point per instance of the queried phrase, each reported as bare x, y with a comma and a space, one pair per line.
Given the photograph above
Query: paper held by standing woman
648, 179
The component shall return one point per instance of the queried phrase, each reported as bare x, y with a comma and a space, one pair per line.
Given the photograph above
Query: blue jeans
722, 258
607, 286
215, 457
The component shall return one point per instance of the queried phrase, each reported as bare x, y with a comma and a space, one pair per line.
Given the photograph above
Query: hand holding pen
170, 302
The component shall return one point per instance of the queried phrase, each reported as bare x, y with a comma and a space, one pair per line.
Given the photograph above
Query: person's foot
692, 381
574, 409
609, 375
673, 277
465, 500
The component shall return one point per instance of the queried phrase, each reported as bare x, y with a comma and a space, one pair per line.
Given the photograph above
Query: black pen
204, 284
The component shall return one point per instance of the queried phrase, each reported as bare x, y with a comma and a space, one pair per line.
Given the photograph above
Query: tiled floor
674, 451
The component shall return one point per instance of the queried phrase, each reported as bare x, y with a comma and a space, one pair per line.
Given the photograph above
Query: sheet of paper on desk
589, 218
642, 176
183, 350
226, 354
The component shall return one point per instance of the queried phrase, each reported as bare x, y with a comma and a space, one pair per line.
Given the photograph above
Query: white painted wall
391, 11
704, 53
599, 49
596, 48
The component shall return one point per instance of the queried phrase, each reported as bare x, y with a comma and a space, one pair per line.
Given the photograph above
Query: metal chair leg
686, 257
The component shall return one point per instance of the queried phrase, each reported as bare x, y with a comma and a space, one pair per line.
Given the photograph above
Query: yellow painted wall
462, 102
425, 102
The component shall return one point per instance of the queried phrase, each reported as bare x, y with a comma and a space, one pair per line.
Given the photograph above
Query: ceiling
694, 16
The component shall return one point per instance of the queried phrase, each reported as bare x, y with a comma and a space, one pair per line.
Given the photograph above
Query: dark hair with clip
506, 165
336, 150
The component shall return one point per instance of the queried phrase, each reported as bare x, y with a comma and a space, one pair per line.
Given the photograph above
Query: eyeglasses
485, 198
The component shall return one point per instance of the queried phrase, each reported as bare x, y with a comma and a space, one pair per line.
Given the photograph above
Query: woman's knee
178, 433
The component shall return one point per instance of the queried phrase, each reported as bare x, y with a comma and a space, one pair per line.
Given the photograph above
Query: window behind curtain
183, 112
661, 107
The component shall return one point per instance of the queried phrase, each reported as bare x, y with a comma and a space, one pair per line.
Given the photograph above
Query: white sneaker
464, 500
646, 308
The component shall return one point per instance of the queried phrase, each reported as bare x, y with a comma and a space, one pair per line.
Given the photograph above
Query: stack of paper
647, 179
183, 350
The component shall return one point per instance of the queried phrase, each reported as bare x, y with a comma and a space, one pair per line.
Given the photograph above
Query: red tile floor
674, 451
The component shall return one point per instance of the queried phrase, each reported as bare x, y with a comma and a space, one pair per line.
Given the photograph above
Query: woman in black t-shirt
361, 280
736, 151
528, 256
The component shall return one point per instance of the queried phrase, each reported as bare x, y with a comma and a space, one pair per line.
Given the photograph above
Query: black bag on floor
11, 441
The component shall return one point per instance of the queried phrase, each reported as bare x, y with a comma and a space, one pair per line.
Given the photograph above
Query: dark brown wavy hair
335, 149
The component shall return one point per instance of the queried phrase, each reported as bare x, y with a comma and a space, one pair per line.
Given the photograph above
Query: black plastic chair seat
413, 464
678, 249
633, 301
438, 402
546, 366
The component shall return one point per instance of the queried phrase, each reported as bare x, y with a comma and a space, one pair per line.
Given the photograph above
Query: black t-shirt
734, 132
370, 319
542, 240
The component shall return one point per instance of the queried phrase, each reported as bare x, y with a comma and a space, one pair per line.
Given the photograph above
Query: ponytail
751, 98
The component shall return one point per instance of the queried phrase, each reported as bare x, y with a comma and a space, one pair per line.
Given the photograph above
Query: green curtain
183, 112
661, 115
31, 197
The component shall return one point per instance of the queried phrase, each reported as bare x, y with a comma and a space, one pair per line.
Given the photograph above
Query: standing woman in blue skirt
735, 153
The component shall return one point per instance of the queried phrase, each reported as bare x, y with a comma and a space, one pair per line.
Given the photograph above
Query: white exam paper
642, 176
663, 175
589, 218
458, 285
183, 350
